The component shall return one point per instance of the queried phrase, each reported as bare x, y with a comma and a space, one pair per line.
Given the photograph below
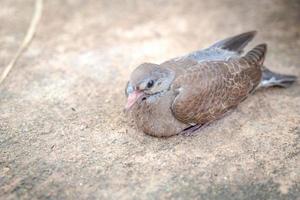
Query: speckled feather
200, 87
209, 89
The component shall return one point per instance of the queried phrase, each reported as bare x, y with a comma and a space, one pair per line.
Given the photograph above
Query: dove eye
150, 84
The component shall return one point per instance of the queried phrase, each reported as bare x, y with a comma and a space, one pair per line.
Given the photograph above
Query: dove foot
189, 131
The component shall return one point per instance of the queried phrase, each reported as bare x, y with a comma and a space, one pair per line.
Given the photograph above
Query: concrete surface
63, 134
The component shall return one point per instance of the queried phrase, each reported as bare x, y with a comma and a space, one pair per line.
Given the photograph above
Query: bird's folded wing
207, 90
236, 43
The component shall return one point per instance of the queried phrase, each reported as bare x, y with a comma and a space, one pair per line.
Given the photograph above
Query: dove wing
221, 50
207, 90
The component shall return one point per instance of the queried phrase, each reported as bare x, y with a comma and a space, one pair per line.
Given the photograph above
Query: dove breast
154, 116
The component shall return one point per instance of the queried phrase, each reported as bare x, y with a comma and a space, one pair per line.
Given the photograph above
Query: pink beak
132, 98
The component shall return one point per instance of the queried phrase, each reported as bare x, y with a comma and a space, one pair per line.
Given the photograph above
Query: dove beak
132, 98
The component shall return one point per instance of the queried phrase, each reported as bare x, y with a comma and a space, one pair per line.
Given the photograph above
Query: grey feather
222, 50
270, 79
236, 43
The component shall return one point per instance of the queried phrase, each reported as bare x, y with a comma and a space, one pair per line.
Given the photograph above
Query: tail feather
236, 43
271, 79
257, 54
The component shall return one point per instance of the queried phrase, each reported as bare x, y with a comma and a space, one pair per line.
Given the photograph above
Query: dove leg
191, 130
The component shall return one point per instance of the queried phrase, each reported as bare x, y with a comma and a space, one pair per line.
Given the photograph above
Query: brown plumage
182, 93
214, 87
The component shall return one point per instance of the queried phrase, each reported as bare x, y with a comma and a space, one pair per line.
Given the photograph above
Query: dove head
146, 80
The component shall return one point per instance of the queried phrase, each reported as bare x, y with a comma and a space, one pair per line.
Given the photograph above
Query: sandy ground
63, 134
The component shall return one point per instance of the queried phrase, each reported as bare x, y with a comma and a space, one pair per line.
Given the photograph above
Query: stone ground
63, 134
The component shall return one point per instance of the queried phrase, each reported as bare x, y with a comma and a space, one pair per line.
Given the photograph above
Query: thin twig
28, 38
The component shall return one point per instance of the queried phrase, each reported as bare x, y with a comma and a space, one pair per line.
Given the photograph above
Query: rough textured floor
63, 134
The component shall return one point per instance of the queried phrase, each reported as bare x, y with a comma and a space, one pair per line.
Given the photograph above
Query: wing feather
207, 90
